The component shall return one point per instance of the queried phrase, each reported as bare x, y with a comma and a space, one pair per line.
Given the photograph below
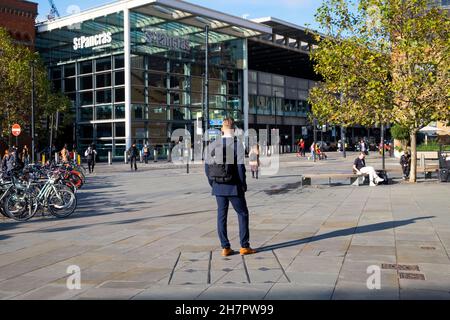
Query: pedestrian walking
90, 155
312, 149
405, 162
133, 153
228, 182
254, 160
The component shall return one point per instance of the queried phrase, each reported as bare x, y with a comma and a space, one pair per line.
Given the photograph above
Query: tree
16, 86
383, 61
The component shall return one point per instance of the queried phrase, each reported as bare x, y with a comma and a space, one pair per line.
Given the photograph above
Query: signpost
16, 130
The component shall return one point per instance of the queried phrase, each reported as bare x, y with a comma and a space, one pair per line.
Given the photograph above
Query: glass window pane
86, 98
104, 130
86, 114
104, 112
86, 131
119, 111
119, 62
138, 94
103, 80
137, 77
119, 78
103, 96
56, 73
277, 80
120, 129
103, 64
86, 67
69, 70
86, 83
57, 85
157, 80
157, 63
69, 85
119, 95
158, 96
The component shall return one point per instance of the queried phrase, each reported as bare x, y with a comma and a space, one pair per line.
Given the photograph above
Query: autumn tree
383, 61
16, 87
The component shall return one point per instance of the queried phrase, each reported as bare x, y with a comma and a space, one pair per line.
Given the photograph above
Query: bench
355, 179
427, 169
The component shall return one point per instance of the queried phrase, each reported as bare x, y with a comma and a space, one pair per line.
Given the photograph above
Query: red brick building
18, 17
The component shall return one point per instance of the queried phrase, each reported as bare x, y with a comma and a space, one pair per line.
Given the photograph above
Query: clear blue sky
300, 12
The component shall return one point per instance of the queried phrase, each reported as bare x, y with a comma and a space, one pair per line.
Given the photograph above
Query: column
293, 138
127, 57
245, 92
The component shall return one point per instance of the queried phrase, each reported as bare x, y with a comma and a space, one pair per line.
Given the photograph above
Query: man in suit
229, 191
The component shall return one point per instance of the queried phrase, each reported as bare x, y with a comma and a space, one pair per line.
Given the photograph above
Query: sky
300, 12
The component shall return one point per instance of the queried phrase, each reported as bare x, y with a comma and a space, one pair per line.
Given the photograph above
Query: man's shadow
344, 232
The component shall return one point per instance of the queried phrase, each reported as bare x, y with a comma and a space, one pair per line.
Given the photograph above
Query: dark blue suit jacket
238, 186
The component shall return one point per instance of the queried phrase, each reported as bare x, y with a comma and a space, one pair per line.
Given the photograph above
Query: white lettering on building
162, 39
92, 41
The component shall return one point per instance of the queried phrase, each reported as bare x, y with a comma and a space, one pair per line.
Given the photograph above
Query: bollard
125, 157
79, 160
43, 159
155, 155
56, 157
109, 158
141, 156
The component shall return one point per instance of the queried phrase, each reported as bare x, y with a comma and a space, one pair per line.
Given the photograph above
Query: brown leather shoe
245, 251
227, 252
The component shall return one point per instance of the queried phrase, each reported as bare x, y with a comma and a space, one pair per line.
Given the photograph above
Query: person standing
64, 153
133, 153
5, 159
254, 160
146, 152
359, 167
90, 155
363, 147
26, 155
405, 161
228, 182
313, 151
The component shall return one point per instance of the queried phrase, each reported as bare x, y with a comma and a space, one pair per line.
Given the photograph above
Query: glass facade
87, 62
270, 93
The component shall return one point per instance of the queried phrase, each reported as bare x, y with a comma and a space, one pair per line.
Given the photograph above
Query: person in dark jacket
232, 191
90, 155
133, 153
405, 161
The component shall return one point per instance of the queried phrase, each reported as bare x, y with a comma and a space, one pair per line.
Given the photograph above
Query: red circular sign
16, 130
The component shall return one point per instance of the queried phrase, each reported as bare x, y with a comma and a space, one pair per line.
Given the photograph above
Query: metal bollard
56, 157
155, 155
43, 159
79, 160
109, 158
125, 157
141, 156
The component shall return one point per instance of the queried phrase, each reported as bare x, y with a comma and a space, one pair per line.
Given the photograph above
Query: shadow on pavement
344, 232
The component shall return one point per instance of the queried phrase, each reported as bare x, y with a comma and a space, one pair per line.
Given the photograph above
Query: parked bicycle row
50, 188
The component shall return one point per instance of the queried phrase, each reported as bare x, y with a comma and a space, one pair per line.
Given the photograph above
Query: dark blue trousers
240, 206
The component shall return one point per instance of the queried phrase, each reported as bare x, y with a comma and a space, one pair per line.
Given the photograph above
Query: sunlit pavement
151, 234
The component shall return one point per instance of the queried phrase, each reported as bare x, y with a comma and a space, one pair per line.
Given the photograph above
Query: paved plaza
151, 234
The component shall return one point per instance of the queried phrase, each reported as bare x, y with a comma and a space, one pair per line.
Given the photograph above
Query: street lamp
32, 65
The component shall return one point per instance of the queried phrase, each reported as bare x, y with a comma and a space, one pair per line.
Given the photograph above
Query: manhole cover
412, 276
402, 267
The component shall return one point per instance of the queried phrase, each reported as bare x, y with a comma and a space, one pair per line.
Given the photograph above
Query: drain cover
401, 267
412, 276
428, 248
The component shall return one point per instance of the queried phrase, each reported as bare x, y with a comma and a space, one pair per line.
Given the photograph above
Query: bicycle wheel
20, 206
61, 201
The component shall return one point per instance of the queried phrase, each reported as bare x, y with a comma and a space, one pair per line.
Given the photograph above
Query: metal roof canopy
174, 10
289, 30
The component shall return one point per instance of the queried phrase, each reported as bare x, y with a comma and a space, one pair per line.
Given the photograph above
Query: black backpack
222, 172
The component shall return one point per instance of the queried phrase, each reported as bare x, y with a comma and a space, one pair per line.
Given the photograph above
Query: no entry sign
16, 130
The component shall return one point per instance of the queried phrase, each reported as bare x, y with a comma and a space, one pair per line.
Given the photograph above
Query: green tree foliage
400, 133
16, 87
383, 61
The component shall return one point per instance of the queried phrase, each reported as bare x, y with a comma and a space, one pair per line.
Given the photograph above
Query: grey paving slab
324, 238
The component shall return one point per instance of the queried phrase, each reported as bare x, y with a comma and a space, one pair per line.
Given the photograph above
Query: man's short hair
362, 152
